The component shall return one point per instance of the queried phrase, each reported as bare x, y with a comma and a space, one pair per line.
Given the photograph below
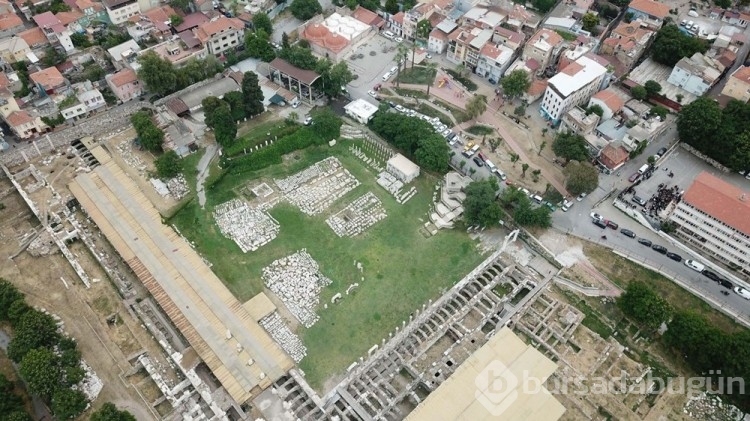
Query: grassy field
402, 268
259, 134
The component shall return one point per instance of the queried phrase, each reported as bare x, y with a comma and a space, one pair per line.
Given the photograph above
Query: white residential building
573, 86
86, 99
696, 74
494, 61
714, 217
119, 11
222, 34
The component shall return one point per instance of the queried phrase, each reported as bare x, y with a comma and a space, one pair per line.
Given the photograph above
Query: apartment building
714, 217
540, 49
696, 74
119, 11
221, 35
55, 31
651, 12
573, 86
626, 44
493, 61
125, 85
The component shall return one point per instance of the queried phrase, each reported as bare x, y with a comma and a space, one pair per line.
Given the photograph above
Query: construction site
84, 231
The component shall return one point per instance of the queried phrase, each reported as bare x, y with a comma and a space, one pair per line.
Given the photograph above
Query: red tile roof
66, 18
367, 16
160, 17
46, 20
305, 76
650, 7
4, 81
34, 37
9, 20
742, 73
611, 99
438, 34
612, 156
49, 78
398, 17
17, 118
123, 77
721, 200
206, 30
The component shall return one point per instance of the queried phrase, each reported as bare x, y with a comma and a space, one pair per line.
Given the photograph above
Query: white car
400, 108
398, 39
696, 266
373, 94
581, 196
567, 205
742, 292
308, 121
596, 217
429, 56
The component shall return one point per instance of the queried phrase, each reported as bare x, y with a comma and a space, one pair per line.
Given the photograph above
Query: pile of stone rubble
357, 216
322, 168
315, 188
710, 407
280, 332
125, 148
250, 228
178, 187
297, 281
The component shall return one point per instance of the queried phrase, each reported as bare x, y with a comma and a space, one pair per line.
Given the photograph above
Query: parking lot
376, 58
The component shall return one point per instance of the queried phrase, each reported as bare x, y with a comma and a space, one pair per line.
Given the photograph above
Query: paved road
578, 222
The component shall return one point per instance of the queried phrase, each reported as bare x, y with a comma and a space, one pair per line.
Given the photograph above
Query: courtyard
396, 265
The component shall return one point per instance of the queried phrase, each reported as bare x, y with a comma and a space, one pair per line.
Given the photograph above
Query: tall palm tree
402, 52
432, 69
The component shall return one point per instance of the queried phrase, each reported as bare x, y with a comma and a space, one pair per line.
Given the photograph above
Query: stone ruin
248, 227
393, 185
280, 332
357, 216
178, 187
316, 187
297, 281
125, 148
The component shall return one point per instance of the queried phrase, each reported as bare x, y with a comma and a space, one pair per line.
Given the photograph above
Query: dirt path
202, 168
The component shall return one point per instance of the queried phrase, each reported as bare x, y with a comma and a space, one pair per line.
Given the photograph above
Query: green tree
424, 27
333, 77
211, 106
570, 146
514, 158
252, 94
480, 206
644, 305
698, 124
299, 56
327, 124
262, 22
16, 310
432, 154
9, 401
34, 330
284, 40
80, 40
476, 106
305, 9
109, 412
236, 103
431, 67
659, 111
639, 92
67, 404
520, 111
595, 109
258, 45
581, 177
183, 5
543, 6
158, 74
18, 415
225, 129
40, 369
652, 87
149, 136
671, 45
53, 57
524, 168
175, 20
391, 6
8, 295
740, 159
168, 165
516, 83
402, 51
590, 22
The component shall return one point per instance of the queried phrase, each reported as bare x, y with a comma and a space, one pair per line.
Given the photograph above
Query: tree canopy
524, 214
652, 87
8, 294
543, 6
67, 404
150, 136
258, 45
40, 368
262, 22
590, 22
639, 92
644, 305
252, 94
332, 76
391, 6
480, 205
162, 78
476, 106
671, 45
570, 146
516, 83
305, 9
723, 135
414, 137
109, 412
581, 177
34, 330
168, 165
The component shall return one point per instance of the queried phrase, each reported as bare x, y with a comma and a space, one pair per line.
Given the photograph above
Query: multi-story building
540, 49
178, 51
738, 84
573, 86
438, 40
10, 24
54, 30
465, 43
651, 12
222, 34
713, 216
49, 81
119, 11
396, 24
24, 124
411, 18
14, 49
484, 18
610, 102
85, 99
494, 61
696, 74
508, 38
627, 43
125, 85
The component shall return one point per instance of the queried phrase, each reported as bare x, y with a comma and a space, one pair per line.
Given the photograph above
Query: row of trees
415, 138
481, 206
519, 205
723, 135
222, 115
581, 176
305, 9
163, 78
671, 45
150, 136
708, 350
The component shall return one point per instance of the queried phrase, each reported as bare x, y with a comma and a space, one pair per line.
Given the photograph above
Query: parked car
308, 121
638, 200
645, 242
400, 108
596, 217
581, 196
726, 284
373, 94
567, 205
659, 249
674, 256
633, 178
478, 161
742, 292
398, 39
599, 223
710, 275
661, 151
696, 266
627, 233
611, 224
